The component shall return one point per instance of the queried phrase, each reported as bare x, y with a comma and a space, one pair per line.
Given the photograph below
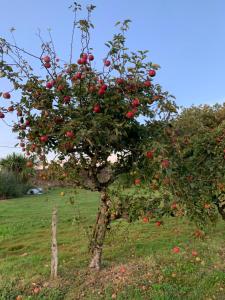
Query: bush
10, 186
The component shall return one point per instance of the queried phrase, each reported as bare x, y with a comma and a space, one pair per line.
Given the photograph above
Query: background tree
197, 140
80, 112
18, 165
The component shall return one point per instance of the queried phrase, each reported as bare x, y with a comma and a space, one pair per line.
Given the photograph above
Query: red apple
27, 123
2, 116
101, 92
145, 219
70, 134
46, 59
91, 57
6, 95
135, 102
47, 65
10, 108
92, 89
152, 73
22, 145
49, 85
60, 88
96, 108
147, 83
174, 205
43, 138
29, 164
104, 87
176, 249
207, 206
149, 154
130, 114
194, 253
165, 163
122, 269
107, 63
137, 181
119, 80
158, 223
66, 99
84, 56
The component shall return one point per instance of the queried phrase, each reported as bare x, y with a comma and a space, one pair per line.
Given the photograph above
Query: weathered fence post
54, 248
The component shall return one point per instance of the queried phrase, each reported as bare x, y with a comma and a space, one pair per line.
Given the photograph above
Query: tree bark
221, 209
99, 232
54, 248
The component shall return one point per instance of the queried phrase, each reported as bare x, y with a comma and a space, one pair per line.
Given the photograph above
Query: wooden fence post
54, 247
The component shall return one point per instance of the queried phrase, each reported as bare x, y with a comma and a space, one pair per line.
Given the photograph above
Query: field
138, 259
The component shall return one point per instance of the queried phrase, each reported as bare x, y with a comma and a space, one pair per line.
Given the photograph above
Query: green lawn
138, 258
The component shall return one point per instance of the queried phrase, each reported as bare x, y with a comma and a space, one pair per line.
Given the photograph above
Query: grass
138, 258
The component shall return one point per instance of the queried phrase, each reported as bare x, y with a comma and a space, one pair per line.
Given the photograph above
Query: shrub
10, 186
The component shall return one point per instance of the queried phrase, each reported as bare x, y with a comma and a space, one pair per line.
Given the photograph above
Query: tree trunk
221, 209
99, 232
54, 258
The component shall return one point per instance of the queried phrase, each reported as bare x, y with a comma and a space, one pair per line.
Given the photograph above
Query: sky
186, 38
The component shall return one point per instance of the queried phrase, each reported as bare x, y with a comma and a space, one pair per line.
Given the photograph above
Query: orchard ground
140, 261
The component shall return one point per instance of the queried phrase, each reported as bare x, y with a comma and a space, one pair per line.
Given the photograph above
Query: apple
92, 89
104, 87
49, 85
176, 249
84, 56
91, 57
43, 138
174, 205
29, 164
165, 163
152, 73
194, 253
147, 83
130, 114
2, 116
207, 206
10, 108
101, 92
46, 59
60, 88
27, 122
101, 81
22, 145
135, 102
137, 181
69, 134
119, 80
149, 154
158, 223
96, 108
6, 95
107, 63
47, 65
122, 269
78, 75
145, 219
66, 99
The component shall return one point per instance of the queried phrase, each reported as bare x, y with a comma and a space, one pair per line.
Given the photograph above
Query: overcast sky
187, 38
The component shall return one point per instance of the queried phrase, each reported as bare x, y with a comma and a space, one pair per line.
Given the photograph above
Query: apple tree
84, 113
197, 140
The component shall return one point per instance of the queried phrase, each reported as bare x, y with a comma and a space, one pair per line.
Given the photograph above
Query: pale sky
187, 38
